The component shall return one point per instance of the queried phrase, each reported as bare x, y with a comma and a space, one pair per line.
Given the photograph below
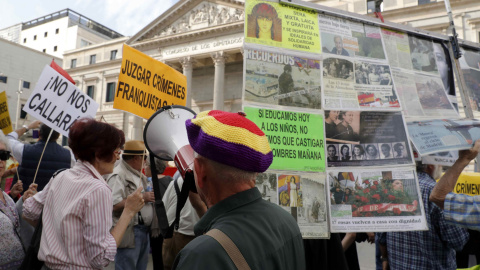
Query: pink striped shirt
77, 219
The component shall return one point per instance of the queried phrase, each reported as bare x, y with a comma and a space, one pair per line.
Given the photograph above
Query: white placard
58, 103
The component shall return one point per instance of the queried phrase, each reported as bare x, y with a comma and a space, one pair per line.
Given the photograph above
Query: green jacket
267, 236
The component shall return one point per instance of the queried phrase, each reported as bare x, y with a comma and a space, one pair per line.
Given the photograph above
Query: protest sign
145, 84
296, 138
282, 79
441, 135
58, 103
366, 139
302, 195
468, 183
375, 200
271, 24
5, 122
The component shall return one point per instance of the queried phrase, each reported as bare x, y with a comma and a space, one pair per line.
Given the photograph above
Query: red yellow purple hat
230, 139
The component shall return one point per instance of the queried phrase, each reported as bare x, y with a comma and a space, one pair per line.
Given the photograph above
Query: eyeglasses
4, 155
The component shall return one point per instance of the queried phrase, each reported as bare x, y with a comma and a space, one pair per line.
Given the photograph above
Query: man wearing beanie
230, 150
132, 253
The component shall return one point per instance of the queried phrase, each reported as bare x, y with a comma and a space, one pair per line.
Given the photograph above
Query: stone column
187, 64
219, 83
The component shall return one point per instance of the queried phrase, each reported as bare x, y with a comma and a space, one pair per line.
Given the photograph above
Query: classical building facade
204, 39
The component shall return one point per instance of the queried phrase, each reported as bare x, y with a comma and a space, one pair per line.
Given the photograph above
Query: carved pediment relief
204, 15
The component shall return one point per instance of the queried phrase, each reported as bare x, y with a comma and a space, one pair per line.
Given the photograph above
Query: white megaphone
165, 137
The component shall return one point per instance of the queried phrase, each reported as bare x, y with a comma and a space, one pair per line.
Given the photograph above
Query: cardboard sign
145, 84
58, 103
5, 122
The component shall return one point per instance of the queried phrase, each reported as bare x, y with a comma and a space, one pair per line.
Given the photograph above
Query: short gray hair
228, 172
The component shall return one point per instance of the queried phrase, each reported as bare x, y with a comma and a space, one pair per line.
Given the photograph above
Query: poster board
146, 84
374, 79
57, 102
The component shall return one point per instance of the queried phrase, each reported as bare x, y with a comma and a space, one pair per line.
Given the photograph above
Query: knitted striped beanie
230, 139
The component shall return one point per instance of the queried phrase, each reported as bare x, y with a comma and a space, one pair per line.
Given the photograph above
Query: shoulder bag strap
230, 247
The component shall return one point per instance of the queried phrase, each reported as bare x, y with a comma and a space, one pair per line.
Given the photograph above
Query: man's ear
430, 169
199, 167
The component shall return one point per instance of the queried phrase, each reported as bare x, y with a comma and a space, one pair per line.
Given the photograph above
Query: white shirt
188, 215
17, 148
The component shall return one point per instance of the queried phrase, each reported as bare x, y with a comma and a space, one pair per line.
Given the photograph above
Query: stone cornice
173, 13
193, 35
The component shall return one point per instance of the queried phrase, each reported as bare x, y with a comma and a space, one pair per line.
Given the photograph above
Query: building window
93, 59
423, 2
57, 31
44, 50
370, 6
90, 90
55, 48
113, 55
23, 114
26, 84
3, 79
110, 92
46, 34
73, 63
84, 43
35, 37
25, 40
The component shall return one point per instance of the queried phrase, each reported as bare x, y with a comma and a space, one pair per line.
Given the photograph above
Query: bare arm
131, 205
119, 206
32, 125
448, 181
384, 254
348, 240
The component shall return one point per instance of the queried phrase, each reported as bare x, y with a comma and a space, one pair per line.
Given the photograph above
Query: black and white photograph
338, 45
368, 139
337, 68
422, 54
267, 185
374, 74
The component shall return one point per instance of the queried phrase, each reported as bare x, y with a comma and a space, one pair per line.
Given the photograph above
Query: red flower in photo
366, 182
367, 190
375, 183
376, 197
354, 207
391, 197
357, 197
369, 214
385, 191
397, 211
381, 211
355, 214
373, 187
365, 200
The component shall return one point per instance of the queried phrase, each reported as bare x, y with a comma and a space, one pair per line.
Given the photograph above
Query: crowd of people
95, 205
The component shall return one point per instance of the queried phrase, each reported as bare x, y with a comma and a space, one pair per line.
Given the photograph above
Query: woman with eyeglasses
12, 229
77, 203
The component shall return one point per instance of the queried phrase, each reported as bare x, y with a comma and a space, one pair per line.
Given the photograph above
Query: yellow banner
5, 122
145, 84
271, 24
468, 183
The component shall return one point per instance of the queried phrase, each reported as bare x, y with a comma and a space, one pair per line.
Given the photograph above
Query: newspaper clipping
375, 200
470, 65
441, 135
356, 138
397, 48
424, 96
302, 195
282, 79
358, 85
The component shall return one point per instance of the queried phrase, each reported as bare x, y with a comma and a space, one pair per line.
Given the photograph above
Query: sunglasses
4, 155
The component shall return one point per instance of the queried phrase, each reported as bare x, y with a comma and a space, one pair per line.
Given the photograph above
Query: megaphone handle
184, 159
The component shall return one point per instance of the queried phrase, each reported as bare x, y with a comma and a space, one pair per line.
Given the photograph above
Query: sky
127, 17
